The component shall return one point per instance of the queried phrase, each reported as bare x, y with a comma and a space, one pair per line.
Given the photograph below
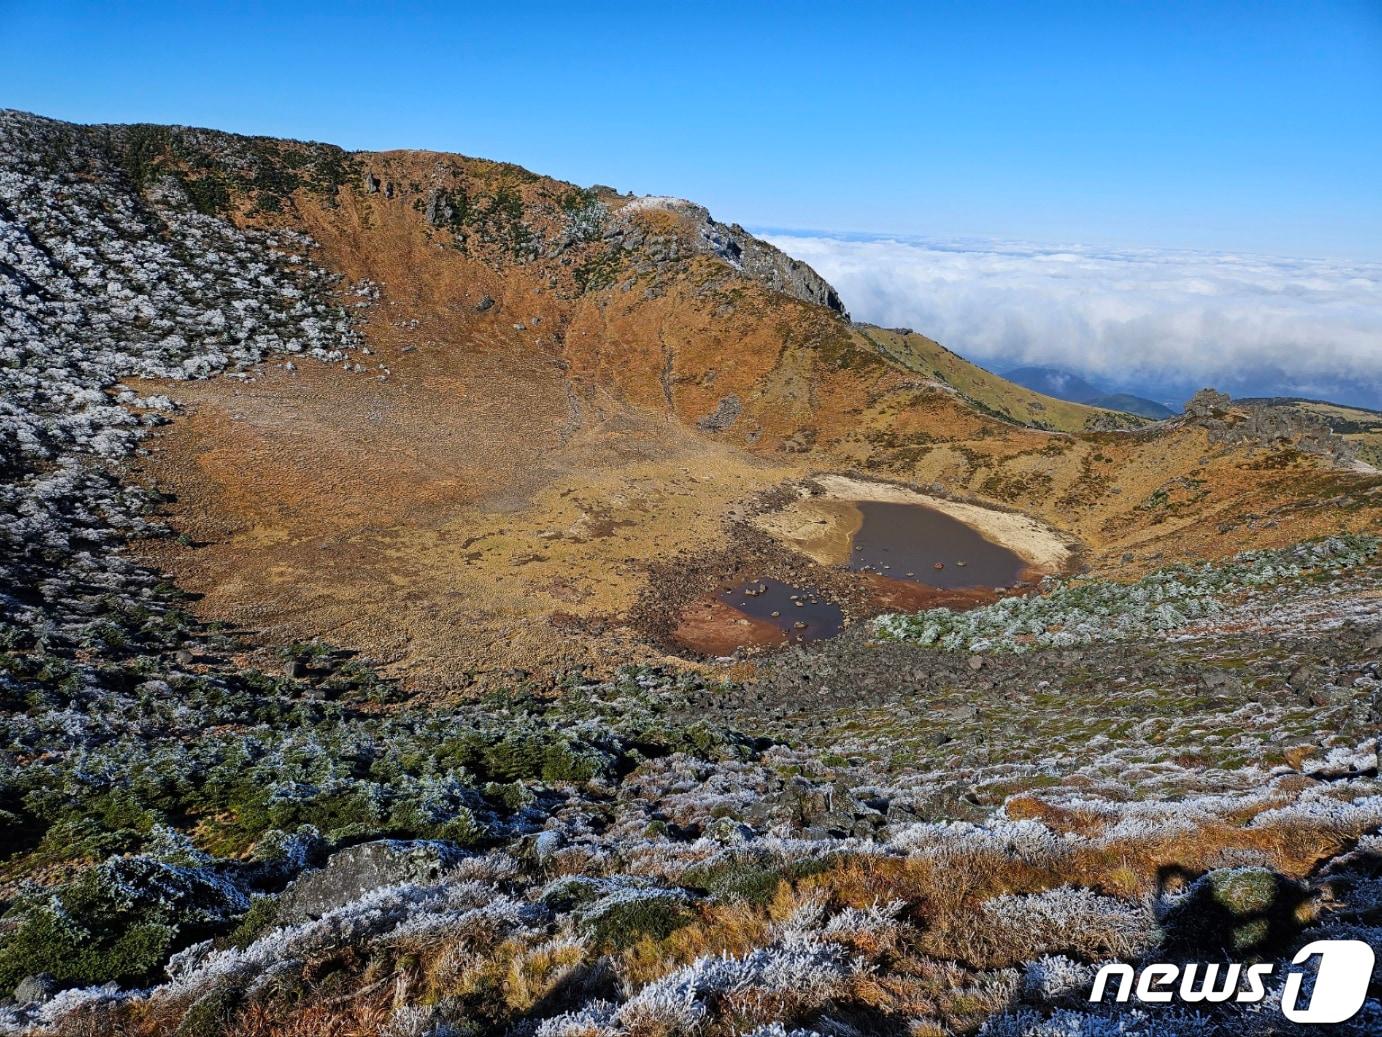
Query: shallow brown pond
912, 542
907, 557
801, 614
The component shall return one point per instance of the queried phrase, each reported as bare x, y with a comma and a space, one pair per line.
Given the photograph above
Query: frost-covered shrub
1079, 922
752, 874
627, 915
1083, 611
118, 921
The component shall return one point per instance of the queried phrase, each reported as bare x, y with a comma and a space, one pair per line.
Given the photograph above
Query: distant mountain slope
1064, 385
988, 392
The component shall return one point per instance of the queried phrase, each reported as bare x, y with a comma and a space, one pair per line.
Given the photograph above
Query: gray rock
352, 872
900, 813
737, 247
725, 414
1329, 695
1265, 426
1301, 678
34, 990
439, 210
484, 304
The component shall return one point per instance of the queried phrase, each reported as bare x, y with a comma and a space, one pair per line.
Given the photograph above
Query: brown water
908, 542
800, 613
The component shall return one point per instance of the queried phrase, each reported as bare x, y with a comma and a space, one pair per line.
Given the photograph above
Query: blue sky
1252, 126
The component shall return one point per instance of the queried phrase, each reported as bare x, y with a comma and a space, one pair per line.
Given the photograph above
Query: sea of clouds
1156, 322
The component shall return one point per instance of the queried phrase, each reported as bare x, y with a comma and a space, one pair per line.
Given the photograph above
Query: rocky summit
437, 599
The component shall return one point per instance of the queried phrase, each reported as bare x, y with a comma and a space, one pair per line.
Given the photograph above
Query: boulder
352, 872
34, 990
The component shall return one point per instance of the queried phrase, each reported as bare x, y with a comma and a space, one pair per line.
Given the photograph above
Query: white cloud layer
1159, 322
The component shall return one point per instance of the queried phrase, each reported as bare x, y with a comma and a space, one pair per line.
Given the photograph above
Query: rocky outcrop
745, 253
1253, 425
723, 417
352, 872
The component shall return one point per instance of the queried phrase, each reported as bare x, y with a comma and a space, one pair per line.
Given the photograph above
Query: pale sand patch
822, 528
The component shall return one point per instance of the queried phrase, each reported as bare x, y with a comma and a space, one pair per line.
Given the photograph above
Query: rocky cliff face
1270, 427
747, 254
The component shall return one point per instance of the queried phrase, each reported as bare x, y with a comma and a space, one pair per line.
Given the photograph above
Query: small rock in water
938, 565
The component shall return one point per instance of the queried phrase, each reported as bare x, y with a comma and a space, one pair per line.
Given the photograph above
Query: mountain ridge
1066, 385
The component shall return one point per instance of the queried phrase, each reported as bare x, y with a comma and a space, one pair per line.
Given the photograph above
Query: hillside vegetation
346, 499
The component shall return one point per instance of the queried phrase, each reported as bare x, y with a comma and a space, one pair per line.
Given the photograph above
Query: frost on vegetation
1082, 611
1054, 978
596, 823
1064, 920
98, 283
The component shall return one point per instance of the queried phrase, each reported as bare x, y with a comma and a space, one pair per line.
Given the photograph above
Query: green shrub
118, 921
257, 921
627, 916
